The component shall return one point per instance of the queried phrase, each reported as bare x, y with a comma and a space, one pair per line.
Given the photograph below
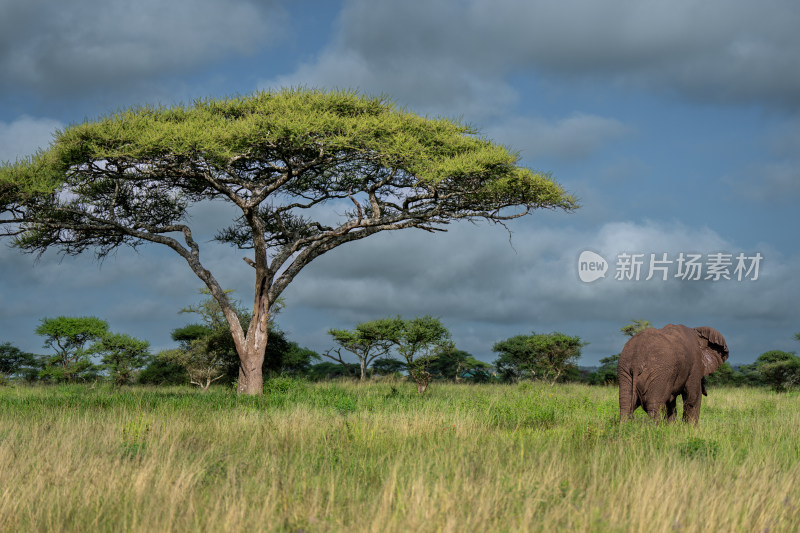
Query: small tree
724, 375
543, 355
328, 370
295, 359
388, 366
367, 341
277, 158
635, 327
417, 341
69, 337
451, 363
555, 352
204, 365
779, 369
205, 349
163, 372
14, 361
607, 373
122, 355
515, 361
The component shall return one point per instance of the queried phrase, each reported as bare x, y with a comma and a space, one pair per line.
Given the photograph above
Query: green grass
380, 457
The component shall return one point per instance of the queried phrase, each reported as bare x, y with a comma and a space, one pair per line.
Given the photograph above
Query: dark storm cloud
459, 51
60, 48
473, 276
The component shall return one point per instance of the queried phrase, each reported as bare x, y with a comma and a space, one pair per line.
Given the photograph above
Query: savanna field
380, 457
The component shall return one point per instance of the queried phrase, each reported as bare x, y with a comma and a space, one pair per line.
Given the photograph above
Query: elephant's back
654, 348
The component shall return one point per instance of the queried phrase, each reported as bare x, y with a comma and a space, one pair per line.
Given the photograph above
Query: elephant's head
713, 348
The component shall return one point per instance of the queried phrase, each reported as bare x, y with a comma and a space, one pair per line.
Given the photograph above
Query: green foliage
134, 436
207, 350
293, 360
536, 356
697, 447
122, 355
328, 371
418, 341
779, 369
367, 341
15, 362
724, 375
162, 372
456, 365
388, 366
607, 373
268, 126
281, 385
635, 327
68, 338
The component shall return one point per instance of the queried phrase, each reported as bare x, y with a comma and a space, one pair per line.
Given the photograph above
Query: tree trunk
363, 370
251, 354
251, 379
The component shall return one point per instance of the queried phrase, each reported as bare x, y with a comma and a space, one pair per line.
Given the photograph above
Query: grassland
379, 457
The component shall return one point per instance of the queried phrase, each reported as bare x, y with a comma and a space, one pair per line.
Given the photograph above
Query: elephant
657, 365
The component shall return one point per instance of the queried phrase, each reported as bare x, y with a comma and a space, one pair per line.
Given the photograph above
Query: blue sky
677, 125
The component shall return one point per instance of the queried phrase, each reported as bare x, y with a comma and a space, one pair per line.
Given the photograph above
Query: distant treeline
83, 349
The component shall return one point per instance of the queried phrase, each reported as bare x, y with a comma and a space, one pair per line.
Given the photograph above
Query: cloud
485, 290
776, 180
430, 85
25, 135
57, 49
575, 137
463, 52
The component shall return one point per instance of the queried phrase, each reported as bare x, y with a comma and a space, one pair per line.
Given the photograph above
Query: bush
160, 372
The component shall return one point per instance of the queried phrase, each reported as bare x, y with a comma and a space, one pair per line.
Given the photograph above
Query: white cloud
25, 135
574, 137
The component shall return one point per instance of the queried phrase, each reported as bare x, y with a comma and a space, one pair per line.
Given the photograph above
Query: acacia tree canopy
280, 158
537, 355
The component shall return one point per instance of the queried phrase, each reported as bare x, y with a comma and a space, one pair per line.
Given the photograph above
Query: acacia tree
68, 338
279, 158
122, 356
368, 341
543, 355
14, 361
451, 363
637, 325
418, 341
779, 369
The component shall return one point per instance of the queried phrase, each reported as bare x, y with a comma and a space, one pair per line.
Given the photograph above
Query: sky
675, 124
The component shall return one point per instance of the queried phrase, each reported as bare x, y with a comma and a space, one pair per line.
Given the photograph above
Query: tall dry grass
346, 457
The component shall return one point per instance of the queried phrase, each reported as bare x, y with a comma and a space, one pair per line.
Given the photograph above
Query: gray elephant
658, 365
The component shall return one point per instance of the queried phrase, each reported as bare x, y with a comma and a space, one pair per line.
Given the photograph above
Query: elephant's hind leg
628, 400
672, 409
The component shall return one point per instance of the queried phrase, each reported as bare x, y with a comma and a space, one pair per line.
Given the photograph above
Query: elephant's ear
714, 349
